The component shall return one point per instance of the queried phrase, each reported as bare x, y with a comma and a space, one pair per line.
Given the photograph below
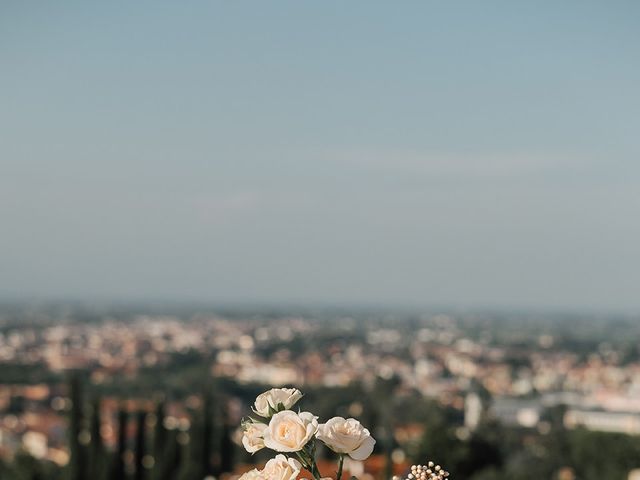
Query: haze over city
467, 154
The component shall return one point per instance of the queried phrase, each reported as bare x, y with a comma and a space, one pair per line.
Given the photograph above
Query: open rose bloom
282, 468
289, 431
294, 436
347, 437
278, 468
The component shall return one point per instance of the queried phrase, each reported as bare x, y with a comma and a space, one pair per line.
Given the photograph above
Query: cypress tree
77, 466
172, 458
195, 461
118, 469
140, 445
160, 432
226, 444
207, 432
159, 440
96, 447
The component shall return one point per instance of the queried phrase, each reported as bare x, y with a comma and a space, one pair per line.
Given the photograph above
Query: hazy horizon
204, 305
473, 155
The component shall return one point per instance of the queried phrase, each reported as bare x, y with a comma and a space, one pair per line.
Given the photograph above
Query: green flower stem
313, 455
315, 472
315, 467
308, 459
309, 463
303, 460
340, 462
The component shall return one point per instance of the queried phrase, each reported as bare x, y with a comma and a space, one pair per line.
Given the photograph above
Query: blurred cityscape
491, 395
320, 158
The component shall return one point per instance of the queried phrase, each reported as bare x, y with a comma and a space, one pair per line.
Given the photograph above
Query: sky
379, 153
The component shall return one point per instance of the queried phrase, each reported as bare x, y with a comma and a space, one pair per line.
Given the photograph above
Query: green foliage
25, 467
440, 443
597, 455
171, 461
493, 452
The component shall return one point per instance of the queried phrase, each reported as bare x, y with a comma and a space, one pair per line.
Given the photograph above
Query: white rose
254, 474
346, 436
268, 402
252, 438
281, 468
290, 431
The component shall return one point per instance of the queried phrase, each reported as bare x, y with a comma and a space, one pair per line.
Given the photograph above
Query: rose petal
364, 450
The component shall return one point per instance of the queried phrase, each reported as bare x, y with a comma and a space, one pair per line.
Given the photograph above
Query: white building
617, 422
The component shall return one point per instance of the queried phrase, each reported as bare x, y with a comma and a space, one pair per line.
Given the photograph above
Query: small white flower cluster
430, 471
294, 434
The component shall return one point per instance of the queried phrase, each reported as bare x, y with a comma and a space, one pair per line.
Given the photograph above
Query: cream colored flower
254, 474
281, 468
252, 438
346, 436
269, 402
289, 431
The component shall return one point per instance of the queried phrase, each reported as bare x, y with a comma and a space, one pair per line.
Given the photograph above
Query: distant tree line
161, 453
156, 450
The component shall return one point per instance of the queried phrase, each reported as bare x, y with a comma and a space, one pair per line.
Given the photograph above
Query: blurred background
423, 215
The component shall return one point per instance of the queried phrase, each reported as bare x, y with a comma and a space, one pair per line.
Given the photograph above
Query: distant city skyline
469, 154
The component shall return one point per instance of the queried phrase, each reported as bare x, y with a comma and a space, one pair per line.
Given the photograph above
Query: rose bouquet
294, 436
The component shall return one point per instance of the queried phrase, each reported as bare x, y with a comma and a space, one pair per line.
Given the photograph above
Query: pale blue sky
450, 153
